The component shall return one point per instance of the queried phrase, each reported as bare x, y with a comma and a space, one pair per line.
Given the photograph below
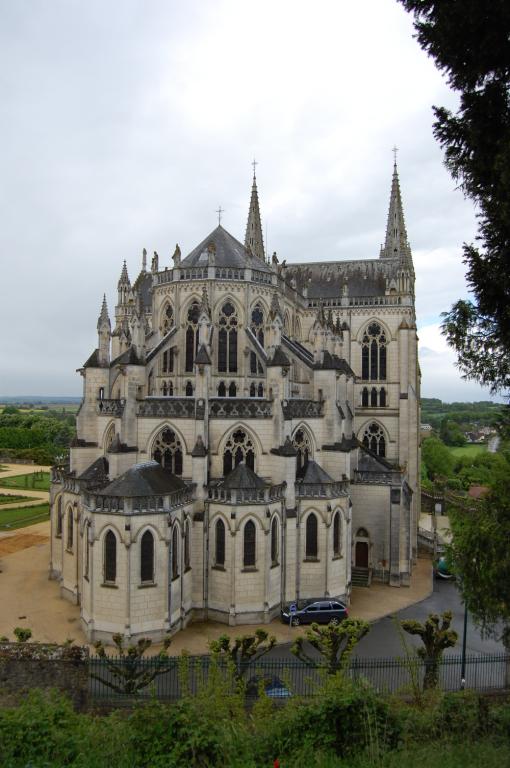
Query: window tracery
227, 339
257, 328
191, 335
239, 447
374, 440
167, 319
167, 451
373, 353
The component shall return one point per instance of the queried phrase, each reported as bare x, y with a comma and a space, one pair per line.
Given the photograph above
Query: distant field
32, 481
468, 450
21, 517
6, 499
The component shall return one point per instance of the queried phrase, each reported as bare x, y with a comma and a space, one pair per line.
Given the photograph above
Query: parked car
321, 611
273, 687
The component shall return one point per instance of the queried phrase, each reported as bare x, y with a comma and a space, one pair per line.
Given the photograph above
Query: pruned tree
436, 636
335, 643
243, 650
22, 634
127, 672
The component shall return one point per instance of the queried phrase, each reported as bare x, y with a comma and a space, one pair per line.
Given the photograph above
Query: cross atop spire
253, 239
396, 244
219, 212
254, 163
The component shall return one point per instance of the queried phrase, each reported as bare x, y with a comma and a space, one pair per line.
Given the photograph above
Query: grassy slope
19, 517
6, 499
467, 450
31, 481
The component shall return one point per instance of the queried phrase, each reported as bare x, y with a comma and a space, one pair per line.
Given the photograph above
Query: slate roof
243, 477
287, 449
333, 362
202, 357
93, 361
369, 462
315, 474
97, 473
226, 252
129, 357
143, 284
325, 280
147, 479
279, 358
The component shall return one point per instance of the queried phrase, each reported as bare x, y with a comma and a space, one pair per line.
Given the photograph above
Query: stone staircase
360, 577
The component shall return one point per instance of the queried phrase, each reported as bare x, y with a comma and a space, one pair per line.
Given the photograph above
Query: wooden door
361, 554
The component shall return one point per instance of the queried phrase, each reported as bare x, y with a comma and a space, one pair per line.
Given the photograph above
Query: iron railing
285, 678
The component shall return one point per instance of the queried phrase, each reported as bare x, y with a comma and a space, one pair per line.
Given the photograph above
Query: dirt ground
29, 599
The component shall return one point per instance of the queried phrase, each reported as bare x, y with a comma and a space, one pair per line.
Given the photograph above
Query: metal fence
118, 681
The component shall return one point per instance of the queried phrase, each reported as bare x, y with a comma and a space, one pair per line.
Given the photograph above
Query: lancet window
220, 543
337, 540
191, 335
147, 557
70, 526
250, 538
187, 546
175, 552
227, 339
274, 542
311, 544
373, 353
257, 328
374, 440
167, 361
167, 450
239, 447
110, 557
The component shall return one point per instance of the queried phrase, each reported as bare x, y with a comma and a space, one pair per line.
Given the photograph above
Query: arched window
59, 517
222, 390
175, 552
109, 437
227, 339
110, 557
86, 546
188, 389
150, 384
311, 547
252, 390
364, 397
187, 547
167, 450
257, 328
165, 389
301, 442
337, 541
70, 524
220, 543
170, 389
373, 397
191, 335
250, 534
147, 557
374, 440
167, 361
274, 542
260, 391
232, 390
239, 447
382, 398
167, 319
373, 353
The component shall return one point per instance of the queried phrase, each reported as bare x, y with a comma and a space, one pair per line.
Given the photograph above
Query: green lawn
6, 499
468, 450
37, 481
20, 517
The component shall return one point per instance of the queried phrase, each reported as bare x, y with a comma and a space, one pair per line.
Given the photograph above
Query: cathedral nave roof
221, 249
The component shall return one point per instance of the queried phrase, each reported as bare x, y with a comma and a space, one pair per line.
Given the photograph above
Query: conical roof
147, 479
221, 249
315, 474
243, 477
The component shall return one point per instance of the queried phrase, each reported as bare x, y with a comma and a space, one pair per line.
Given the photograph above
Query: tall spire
254, 240
396, 244
124, 277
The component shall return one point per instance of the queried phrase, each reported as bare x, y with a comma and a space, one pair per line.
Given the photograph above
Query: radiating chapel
248, 436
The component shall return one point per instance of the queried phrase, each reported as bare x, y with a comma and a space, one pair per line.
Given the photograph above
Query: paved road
384, 639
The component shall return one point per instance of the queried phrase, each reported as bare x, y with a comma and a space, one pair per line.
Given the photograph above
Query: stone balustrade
237, 407
111, 407
298, 408
321, 490
168, 407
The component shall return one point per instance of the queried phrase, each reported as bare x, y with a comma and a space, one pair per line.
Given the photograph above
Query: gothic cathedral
248, 436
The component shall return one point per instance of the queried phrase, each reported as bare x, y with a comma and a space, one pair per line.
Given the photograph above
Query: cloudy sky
124, 124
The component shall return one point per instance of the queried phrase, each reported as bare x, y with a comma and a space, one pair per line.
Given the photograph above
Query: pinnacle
124, 277
103, 316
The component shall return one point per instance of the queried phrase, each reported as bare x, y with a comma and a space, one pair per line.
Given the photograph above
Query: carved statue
155, 262
177, 255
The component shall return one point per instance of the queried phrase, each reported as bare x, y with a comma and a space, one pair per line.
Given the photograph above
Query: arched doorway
361, 549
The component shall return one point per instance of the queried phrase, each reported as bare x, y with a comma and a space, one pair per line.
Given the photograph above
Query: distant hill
38, 400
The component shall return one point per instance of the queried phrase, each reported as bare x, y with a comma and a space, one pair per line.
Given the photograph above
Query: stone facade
248, 436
